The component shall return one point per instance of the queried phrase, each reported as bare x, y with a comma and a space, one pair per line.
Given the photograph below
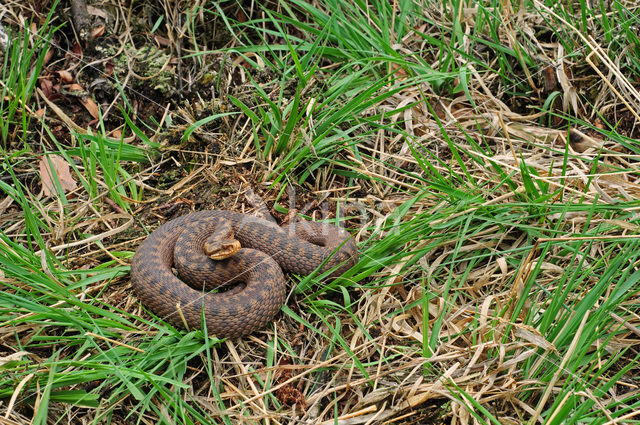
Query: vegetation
483, 153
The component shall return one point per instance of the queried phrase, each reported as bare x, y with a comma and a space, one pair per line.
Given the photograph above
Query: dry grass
484, 158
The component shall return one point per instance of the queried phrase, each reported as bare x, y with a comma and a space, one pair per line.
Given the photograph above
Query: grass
22, 64
482, 153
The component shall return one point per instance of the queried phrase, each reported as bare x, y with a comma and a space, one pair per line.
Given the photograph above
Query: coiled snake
267, 249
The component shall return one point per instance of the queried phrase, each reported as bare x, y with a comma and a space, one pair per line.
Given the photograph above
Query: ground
482, 154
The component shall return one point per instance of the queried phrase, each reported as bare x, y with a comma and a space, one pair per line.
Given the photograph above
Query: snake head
221, 249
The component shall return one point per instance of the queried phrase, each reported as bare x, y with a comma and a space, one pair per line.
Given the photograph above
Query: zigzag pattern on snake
267, 249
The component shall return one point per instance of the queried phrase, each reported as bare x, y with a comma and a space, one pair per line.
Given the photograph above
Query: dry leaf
75, 89
76, 50
48, 56
65, 76
55, 165
47, 87
162, 41
90, 106
109, 68
549, 79
86, 100
97, 32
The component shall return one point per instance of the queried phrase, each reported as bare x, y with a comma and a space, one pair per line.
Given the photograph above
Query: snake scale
267, 250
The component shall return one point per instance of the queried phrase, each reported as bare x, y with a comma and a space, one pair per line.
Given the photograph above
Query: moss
147, 62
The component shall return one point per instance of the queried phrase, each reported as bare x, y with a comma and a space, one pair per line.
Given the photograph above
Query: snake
215, 250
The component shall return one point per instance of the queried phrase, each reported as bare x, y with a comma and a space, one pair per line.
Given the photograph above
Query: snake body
267, 249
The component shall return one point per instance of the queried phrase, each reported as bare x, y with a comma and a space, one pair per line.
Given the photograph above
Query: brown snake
299, 248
